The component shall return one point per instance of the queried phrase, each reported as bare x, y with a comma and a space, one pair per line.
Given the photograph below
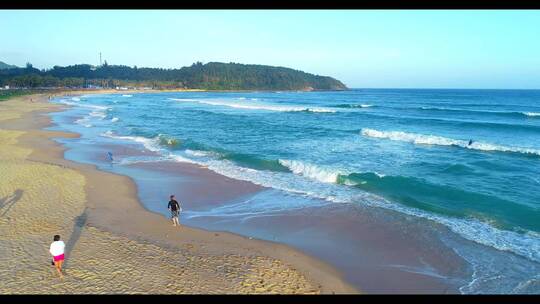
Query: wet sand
378, 251
113, 244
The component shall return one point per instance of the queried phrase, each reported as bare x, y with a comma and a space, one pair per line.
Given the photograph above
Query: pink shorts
59, 258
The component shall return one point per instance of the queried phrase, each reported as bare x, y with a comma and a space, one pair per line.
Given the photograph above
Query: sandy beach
113, 244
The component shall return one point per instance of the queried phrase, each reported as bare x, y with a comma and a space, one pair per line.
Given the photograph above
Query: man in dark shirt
175, 209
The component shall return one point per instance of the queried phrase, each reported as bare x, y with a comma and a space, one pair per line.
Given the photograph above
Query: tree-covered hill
4, 65
210, 76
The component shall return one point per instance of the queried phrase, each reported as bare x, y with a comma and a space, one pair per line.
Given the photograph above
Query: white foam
443, 141
81, 120
472, 229
310, 171
525, 245
126, 95
151, 144
136, 159
98, 113
115, 119
307, 182
75, 99
84, 122
84, 105
253, 106
181, 159
531, 114
196, 153
199, 153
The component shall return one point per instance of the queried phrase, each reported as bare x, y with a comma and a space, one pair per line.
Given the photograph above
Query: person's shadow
7, 202
78, 226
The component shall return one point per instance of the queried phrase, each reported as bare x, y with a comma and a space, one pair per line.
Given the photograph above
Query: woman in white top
57, 251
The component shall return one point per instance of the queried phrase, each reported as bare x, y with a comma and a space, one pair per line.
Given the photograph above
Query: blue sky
363, 48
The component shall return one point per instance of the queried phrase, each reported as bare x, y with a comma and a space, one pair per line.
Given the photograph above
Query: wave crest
443, 141
311, 171
353, 105
151, 144
253, 106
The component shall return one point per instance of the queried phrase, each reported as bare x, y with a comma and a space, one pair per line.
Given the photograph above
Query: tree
213, 75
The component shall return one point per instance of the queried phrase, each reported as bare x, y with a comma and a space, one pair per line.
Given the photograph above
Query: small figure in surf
175, 209
109, 156
470, 142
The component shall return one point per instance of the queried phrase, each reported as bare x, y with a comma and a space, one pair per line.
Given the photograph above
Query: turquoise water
405, 150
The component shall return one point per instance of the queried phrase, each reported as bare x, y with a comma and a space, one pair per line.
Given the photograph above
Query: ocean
468, 160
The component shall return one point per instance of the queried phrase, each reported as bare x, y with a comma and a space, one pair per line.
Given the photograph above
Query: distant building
6, 87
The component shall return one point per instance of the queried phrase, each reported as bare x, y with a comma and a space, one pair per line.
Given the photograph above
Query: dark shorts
174, 213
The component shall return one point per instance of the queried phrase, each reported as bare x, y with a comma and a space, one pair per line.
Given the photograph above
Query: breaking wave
422, 139
353, 105
311, 171
253, 106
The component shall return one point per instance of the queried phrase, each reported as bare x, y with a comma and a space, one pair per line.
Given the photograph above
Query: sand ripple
38, 200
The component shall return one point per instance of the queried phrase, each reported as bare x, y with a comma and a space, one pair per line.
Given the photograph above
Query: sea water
467, 159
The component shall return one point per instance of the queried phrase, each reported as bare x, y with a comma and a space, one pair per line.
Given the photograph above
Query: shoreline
380, 251
146, 226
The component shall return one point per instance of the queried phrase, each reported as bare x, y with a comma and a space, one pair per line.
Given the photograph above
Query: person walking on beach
175, 209
57, 251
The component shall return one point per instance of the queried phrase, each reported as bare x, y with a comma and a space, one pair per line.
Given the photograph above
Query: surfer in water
470, 142
109, 156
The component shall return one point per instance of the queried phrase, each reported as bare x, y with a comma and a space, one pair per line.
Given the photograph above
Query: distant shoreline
114, 91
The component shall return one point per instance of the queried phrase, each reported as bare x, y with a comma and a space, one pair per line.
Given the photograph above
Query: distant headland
209, 76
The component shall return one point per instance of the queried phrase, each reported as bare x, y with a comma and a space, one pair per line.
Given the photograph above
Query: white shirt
57, 248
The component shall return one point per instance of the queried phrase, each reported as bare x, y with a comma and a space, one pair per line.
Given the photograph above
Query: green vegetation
210, 76
7, 94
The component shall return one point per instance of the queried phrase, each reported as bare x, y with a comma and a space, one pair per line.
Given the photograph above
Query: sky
498, 49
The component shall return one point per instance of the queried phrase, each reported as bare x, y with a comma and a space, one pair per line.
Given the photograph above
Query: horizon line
406, 88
